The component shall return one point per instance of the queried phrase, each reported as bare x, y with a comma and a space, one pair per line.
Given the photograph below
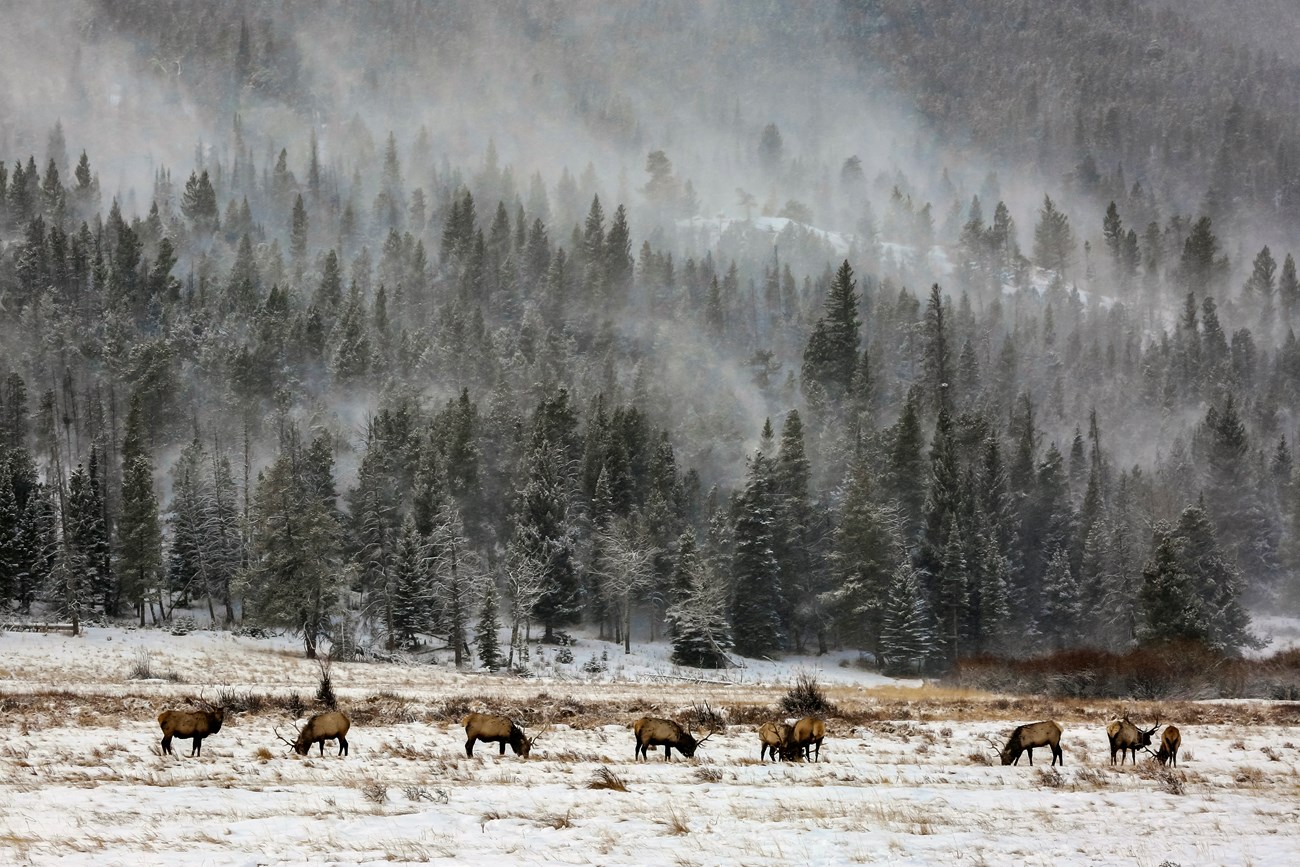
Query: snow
713, 229
81, 781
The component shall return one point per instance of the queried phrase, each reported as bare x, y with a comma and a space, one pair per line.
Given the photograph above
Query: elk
806, 734
1127, 738
497, 729
319, 729
773, 737
1170, 741
1025, 738
195, 724
652, 732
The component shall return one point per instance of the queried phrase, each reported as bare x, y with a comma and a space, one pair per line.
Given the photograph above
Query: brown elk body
321, 728
1170, 741
195, 724
806, 734
1126, 738
1025, 738
653, 732
496, 729
773, 737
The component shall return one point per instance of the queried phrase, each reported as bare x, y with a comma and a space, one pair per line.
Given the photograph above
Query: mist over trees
332, 374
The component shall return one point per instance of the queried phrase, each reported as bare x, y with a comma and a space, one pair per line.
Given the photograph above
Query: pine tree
413, 593
139, 530
1171, 609
701, 635
486, 633
544, 535
293, 580
831, 355
199, 203
755, 573
906, 638
298, 225
866, 549
1054, 241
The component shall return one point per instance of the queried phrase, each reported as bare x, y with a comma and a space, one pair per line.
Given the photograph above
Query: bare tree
625, 568
526, 584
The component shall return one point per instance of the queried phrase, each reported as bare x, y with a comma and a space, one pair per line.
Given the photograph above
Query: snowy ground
903, 781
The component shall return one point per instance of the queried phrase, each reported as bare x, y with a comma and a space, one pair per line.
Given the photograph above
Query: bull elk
1127, 738
1027, 738
497, 729
190, 724
806, 734
654, 732
1170, 741
773, 737
319, 729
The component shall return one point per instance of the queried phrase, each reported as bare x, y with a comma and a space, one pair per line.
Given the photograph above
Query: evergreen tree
293, 580
701, 635
906, 637
544, 535
1054, 241
756, 575
831, 356
486, 633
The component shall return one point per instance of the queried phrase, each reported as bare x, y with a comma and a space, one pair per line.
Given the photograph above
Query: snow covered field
903, 779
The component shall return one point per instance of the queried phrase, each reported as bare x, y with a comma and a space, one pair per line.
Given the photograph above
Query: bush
806, 697
325, 689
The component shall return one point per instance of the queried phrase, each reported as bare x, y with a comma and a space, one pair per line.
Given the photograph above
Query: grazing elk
195, 724
319, 729
653, 732
1127, 738
806, 734
497, 729
1026, 738
773, 737
1170, 741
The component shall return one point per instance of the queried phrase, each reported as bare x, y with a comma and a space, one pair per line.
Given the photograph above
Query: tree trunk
309, 638
627, 623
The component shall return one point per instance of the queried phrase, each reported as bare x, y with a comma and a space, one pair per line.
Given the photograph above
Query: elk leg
197, 749
167, 745
668, 753
343, 746
1031, 756
469, 748
502, 744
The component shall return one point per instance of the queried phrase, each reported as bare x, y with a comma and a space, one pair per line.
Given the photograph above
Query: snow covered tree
831, 356
487, 632
755, 573
698, 620
413, 592
295, 574
544, 535
456, 572
907, 637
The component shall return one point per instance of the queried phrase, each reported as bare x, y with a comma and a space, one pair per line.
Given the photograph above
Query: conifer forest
932, 330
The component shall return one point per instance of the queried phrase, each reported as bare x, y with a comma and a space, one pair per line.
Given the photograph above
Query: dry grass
676, 822
604, 778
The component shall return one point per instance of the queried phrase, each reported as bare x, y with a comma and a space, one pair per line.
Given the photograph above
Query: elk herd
780, 741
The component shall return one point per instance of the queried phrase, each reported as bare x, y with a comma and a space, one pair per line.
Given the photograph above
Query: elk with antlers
1127, 738
191, 724
1025, 738
654, 732
319, 729
806, 735
500, 730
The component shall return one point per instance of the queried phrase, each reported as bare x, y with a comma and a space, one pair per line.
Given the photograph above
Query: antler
997, 749
283, 738
544, 730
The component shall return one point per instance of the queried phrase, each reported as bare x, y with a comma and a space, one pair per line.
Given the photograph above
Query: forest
951, 359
